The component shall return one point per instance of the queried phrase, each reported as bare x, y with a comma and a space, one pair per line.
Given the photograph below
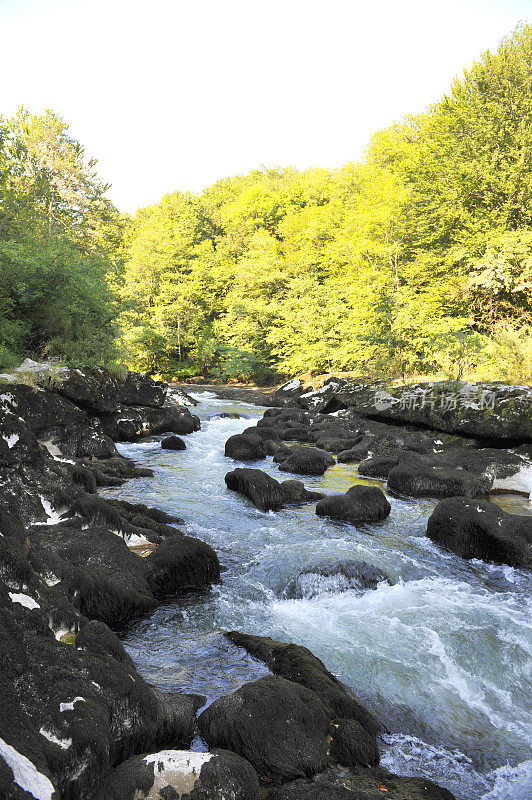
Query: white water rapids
442, 656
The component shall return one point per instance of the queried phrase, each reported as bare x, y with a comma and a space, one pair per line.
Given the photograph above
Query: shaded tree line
60, 240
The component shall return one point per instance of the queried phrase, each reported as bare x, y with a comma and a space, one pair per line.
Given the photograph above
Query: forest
415, 262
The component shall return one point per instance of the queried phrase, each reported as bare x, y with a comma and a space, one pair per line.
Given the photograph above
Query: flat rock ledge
488, 411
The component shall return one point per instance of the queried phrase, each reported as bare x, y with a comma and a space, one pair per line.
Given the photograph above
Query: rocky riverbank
74, 567
81, 719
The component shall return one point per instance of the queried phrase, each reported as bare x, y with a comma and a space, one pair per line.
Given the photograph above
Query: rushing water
442, 656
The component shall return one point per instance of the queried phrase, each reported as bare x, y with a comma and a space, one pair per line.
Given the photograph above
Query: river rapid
443, 656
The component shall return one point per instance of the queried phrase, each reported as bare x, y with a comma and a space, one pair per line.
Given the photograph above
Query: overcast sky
174, 94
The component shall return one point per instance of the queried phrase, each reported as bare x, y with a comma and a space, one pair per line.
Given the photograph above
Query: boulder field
458, 442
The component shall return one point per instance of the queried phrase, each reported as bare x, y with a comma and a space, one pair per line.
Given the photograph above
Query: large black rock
245, 448
480, 529
489, 411
173, 443
296, 663
306, 461
358, 504
280, 727
174, 774
70, 713
265, 492
101, 392
95, 570
423, 476
180, 564
361, 783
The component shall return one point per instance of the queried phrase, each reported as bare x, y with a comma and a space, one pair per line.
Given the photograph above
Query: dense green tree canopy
416, 261
59, 245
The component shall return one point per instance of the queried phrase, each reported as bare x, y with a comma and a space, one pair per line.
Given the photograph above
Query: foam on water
442, 656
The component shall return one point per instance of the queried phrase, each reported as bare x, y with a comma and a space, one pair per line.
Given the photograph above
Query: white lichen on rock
25, 773
24, 600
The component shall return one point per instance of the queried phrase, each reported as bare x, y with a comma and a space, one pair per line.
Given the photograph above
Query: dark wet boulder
175, 774
361, 783
85, 478
173, 443
357, 453
306, 461
373, 781
420, 443
85, 711
419, 475
336, 444
351, 744
144, 516
180, 564
358, 504
271, 446
296, 663
262, 433
310, 790
268, 420
97, 638
272, 412
295, 432
244, 448
378, 466
131, 423
59, 425
265, 492
279, 726
41, 411
327, 577
102, 392
18, 443
294, 416
282, 451
480, 529
490, 462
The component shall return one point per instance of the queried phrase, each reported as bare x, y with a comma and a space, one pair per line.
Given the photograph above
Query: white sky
174, 94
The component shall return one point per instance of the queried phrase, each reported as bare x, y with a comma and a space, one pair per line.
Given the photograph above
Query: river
443, 656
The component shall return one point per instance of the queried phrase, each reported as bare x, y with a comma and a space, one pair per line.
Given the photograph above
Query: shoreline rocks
73, 704
494, 412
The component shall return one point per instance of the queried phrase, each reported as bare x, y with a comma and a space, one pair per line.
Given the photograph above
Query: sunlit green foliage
417, 261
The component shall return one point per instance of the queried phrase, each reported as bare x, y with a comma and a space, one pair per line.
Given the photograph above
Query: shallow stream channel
442, 656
